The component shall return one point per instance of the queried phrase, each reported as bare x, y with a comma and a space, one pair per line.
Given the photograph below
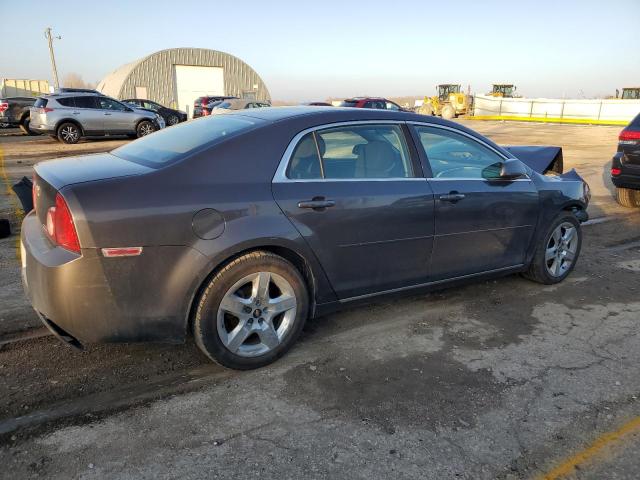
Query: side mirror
512, 169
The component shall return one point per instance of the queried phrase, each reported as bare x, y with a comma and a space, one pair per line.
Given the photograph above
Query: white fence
574, 110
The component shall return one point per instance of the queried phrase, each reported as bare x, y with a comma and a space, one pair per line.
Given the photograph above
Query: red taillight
627, 135
205, 112
3, 106
44, 110
615, 171
60, 226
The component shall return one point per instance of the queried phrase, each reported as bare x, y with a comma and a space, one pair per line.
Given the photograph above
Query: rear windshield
171, 144
635, 122
347, 103
40, 103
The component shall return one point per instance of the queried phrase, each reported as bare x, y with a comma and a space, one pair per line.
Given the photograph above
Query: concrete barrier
593, 111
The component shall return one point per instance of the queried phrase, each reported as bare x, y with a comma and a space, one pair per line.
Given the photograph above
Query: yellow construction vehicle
449, 103
503, 90
629, 93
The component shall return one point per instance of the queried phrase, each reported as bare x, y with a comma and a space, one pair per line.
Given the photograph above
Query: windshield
171, 144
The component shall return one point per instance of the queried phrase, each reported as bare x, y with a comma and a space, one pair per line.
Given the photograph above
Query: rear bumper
629, 173
89, 298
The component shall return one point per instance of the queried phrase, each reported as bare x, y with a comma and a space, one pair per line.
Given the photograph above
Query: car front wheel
145, 127
173, 120
557, 252
252, 311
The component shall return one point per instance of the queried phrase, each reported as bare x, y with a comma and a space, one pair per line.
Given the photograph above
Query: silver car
71, 116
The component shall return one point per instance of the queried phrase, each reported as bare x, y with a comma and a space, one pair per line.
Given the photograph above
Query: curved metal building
176, 77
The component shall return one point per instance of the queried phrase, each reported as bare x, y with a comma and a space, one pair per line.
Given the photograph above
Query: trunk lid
52, 176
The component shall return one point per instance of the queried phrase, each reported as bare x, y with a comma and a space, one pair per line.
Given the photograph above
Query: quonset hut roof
156, 72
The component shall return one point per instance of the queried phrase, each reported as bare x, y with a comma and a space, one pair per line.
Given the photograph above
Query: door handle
316, 203
107, 113
76, 113
452, 197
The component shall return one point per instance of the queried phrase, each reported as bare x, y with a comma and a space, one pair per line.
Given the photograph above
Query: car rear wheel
24, 126
145, 127
251, 312
172, 120
556, 255
69, 133
628, 197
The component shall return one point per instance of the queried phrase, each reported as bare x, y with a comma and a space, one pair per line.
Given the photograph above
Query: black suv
625, 167
170, 115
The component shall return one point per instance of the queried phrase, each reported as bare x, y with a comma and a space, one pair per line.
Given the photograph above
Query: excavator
449, 103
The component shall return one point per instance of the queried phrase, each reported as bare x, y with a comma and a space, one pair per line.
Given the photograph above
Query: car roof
357, 99
334, 114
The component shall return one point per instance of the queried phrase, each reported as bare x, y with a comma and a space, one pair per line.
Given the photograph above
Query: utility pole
47, 35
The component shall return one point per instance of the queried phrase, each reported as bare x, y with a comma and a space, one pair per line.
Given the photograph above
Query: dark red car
201, 105
372, 102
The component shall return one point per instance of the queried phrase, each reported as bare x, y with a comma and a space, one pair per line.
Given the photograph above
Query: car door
482, 222
118, 118
86, 111
357, 194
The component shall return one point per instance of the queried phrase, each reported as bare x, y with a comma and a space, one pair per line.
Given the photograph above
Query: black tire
172, 120
69, 133
538, 271
448, 112
145, 127
24, 126
205, 325
628, 197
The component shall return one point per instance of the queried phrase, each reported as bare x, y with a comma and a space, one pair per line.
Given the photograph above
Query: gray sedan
238, 228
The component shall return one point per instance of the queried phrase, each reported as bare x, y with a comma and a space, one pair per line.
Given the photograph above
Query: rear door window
171, 144
86, 102
352, 152
67, 102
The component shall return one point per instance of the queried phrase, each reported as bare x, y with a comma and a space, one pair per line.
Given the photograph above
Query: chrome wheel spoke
237, 336
569, 255
555, 267
232, 303
281, 304
569, 235
260, 290
268, 336
550, 253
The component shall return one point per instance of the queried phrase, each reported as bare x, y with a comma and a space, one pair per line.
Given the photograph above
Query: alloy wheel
256, 314
561, 249
69, 134
146, 128
172, 120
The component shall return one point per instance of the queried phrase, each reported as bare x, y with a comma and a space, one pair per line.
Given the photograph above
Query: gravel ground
500, 379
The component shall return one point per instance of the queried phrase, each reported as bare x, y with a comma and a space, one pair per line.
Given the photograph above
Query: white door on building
193, 82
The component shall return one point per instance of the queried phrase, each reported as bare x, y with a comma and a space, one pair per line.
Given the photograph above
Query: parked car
372, 102
201, 106
625, 166
240, 251
226, 106
15, 112
71, 116
171, 116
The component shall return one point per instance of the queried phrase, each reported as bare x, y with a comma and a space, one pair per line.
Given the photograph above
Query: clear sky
307, 50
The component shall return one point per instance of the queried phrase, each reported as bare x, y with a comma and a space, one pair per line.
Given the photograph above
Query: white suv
71, 116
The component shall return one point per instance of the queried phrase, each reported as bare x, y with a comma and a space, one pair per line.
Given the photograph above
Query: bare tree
74, 80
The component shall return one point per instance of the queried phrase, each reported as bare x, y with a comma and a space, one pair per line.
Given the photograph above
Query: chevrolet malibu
238, 228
